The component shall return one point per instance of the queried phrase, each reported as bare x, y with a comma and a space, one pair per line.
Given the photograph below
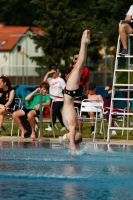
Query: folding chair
16, 107
40, 120
95, 106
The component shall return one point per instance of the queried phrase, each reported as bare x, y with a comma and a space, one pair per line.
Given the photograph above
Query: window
19, 48
36, 49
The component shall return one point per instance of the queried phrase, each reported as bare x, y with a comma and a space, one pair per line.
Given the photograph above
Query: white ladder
120, 87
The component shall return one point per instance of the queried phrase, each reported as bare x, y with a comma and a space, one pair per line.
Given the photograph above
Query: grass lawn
85, 131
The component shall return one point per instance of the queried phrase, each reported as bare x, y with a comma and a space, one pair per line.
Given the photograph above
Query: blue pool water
50, 171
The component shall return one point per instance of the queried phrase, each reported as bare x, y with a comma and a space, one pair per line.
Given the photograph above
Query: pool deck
44, 139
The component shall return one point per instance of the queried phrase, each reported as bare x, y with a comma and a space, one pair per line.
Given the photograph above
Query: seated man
69, 113
32, 109
125, 29
95, 97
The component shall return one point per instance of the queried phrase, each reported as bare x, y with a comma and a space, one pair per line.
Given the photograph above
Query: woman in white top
57, 86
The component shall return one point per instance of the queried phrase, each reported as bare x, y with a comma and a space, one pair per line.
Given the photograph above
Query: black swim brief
72, 93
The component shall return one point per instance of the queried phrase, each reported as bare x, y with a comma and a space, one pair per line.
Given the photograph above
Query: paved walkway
44, 139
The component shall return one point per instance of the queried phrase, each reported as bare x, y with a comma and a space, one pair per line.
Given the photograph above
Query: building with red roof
15, 47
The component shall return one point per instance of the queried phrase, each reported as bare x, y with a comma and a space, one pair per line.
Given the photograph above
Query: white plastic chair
38, 119
41, 119
95, 106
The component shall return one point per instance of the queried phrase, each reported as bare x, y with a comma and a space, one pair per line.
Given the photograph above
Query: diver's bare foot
32, 136
86, 37
22, 134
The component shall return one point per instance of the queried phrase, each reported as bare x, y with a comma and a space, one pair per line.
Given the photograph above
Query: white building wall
16, 63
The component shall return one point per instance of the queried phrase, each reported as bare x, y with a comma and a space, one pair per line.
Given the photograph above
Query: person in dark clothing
7, 98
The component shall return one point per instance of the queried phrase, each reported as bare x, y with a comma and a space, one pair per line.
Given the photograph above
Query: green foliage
17, 13
122, 78
63, 23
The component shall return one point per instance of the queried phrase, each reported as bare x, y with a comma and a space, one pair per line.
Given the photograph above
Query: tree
63, 23
17, 13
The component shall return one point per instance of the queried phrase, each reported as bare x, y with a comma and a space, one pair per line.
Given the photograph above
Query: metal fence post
41, 129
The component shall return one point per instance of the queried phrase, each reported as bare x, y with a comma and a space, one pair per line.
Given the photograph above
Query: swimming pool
49, 171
